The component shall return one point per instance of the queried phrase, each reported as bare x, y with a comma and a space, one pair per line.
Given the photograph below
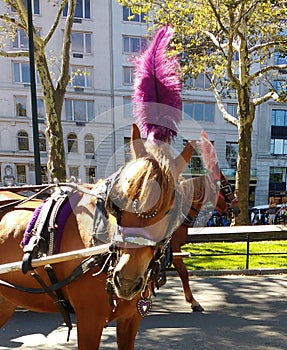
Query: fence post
247, 252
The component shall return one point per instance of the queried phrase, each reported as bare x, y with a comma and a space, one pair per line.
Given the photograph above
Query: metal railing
233, 234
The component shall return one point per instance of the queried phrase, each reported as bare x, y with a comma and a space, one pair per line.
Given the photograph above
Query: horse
224, 201
140, 206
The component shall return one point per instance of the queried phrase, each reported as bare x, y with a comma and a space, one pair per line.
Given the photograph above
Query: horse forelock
150, 180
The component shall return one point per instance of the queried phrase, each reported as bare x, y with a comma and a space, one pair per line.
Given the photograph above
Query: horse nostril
140, 283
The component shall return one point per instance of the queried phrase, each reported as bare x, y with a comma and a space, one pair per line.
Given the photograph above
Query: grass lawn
234, 261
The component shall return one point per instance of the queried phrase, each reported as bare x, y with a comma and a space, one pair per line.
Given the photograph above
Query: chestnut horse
224, 201
146, 200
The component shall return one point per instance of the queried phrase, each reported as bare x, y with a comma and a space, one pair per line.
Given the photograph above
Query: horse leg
183, 274
127, 329
6, 310
89, 328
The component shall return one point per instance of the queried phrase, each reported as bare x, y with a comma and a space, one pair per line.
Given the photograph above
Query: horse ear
137, 145
184, 157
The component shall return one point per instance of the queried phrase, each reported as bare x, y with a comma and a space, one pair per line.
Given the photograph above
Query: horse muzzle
126, 288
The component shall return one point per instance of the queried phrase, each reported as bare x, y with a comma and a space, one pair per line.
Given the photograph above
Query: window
200, 82
21, 173
21, 72
8, 178
195, 165
133, 44
81, 76
40, 108
232, 154
21, 110
23, 141
279, 117
79, 110
42, 142
91, 175
44, 174
278, 146
127, 107
83, 9
89, 144
20, 40
129, 16
199, 111
72, 143
128, 75
35, 6
277, 174
278, 142
81, 42
232, 109
74, 172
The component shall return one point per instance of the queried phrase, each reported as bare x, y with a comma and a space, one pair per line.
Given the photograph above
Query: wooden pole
57, 258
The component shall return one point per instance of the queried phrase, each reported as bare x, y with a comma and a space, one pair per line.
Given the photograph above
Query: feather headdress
157, 88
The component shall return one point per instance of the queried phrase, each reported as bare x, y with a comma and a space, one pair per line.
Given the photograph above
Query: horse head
149, 209
227, 202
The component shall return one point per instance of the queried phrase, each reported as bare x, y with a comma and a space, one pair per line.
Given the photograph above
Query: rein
14, 204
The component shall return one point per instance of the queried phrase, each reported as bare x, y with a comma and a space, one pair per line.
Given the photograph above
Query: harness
41, 238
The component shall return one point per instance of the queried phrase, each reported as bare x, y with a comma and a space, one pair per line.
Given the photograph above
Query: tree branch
266, 70
271, 44
217, 16
227, 116
55, 23
265, 98
64, 76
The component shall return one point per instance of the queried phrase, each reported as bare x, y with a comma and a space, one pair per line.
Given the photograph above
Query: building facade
97, 112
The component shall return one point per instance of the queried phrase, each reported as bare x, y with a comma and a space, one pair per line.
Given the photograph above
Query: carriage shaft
57, 258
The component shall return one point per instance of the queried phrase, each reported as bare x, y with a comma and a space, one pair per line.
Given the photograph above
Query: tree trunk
243, 171
53, 101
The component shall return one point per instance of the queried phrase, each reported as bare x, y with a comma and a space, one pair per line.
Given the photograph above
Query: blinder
133, 235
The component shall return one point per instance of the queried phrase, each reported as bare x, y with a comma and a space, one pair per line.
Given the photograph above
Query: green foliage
212, 33
234, 255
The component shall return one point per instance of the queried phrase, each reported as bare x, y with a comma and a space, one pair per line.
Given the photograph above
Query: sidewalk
241, 312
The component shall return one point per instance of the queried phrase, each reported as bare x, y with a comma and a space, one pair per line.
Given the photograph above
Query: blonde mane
150, 181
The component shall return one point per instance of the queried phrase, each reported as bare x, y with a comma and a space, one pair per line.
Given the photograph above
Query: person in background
272, 210
282, 211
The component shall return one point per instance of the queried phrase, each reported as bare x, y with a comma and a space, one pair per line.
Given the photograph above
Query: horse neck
200, 192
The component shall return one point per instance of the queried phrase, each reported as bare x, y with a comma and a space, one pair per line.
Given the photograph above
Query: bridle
135, 237
226, 192
141, 237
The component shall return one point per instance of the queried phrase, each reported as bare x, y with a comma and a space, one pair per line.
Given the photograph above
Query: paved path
242, 312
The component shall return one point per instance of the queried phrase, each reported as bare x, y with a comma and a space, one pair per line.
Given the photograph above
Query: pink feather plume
157, 88
208, 155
